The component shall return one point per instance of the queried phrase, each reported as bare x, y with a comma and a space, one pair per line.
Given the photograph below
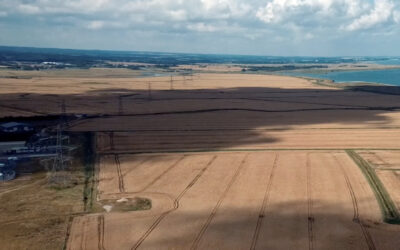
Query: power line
149, 91
120, 106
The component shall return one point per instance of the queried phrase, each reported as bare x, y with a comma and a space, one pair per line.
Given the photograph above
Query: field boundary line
388, 208
136, 131
264, 204
310, 218
24, 110
240, 150
197, 111
68, 233
356, 216
176, 204
221, 199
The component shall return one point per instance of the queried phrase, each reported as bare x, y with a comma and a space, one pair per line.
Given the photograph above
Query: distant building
15, 127
12, 131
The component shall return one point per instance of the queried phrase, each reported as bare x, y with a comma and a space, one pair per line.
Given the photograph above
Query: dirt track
279, 200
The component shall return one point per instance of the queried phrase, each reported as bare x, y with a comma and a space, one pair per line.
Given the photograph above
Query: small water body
389, 76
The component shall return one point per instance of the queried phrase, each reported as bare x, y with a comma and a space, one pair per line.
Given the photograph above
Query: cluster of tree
283, 68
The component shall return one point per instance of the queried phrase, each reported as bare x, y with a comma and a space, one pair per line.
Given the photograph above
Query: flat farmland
122, 93
241, 200
228, 161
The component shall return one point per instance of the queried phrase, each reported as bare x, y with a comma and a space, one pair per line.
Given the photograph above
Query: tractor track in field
121, 184
100, 231
310, 218
112, 145
176, 204
136, 166
83, 238
356, 217
389, 210
383, 162
162, 174
221, 199
264, 204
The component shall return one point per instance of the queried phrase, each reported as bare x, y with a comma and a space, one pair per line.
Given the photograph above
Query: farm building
7, 171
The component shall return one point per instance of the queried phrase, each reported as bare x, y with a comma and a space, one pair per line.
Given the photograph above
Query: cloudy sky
260, 27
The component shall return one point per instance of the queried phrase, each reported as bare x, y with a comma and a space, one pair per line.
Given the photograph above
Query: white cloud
165, 15
382, 12
251, 19
95, 25
396, 16
28, 9
333, 15
202, 27
231, 8
276, 11
178, 15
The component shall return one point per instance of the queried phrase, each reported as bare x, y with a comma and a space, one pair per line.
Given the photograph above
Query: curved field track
387, 167
240, 200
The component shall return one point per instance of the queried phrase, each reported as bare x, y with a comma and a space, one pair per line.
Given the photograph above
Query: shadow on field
387, 90
285, 225
207, 118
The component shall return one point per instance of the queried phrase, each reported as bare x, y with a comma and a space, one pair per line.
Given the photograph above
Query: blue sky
259, 27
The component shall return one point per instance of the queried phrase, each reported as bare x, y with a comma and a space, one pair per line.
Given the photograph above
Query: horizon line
190, 53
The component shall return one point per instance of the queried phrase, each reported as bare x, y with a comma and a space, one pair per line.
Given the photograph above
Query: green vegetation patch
89, 161
388, 208
127, 204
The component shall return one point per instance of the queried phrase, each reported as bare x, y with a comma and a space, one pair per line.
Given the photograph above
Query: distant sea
90, 58
388, 76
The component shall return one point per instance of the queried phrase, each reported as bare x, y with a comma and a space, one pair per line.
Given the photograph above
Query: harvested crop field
241, 200
386, 165
161, 141
226, 161
257, 95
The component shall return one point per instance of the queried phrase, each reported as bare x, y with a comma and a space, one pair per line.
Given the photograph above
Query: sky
250, 27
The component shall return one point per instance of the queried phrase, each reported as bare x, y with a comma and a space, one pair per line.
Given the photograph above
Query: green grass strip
388, 208
89, 171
